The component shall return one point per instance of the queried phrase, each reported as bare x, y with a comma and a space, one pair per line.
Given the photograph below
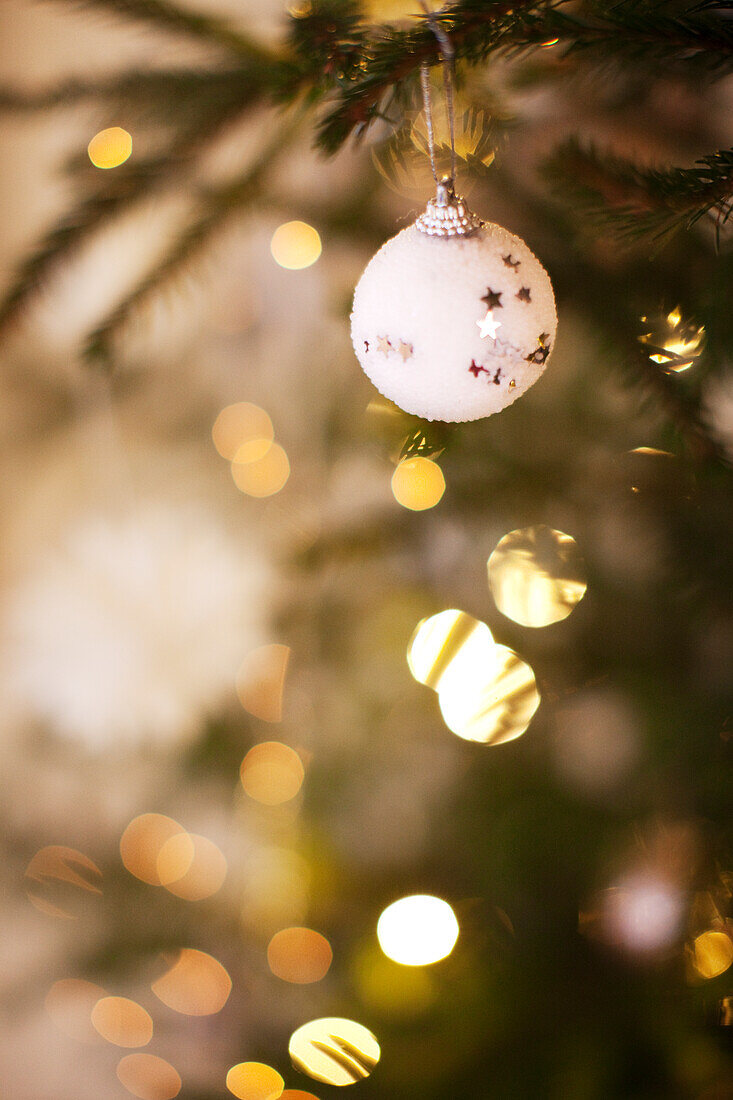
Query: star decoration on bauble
404, 351
488, 326
524, 295
509, 262
539, 355
492, 298
384, 345
475, 369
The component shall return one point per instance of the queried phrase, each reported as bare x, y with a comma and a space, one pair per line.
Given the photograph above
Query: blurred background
219, 767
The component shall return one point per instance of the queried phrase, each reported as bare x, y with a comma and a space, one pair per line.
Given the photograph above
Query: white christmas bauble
453, 318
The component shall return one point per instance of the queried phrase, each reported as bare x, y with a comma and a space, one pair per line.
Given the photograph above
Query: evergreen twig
631, 31
639, 202
217, 207
117, 192
170, 17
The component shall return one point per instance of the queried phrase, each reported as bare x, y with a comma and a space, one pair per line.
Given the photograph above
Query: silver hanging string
427, 107
447, 56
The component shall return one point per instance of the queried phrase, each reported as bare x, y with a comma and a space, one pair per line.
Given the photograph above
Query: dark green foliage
635, 201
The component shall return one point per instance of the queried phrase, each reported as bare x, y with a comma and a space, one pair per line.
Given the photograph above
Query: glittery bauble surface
454, 328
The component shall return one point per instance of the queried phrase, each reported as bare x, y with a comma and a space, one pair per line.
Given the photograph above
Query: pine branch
678, 406
628, 31
640, 202
218, 206
167, 95
169, 17
113, 194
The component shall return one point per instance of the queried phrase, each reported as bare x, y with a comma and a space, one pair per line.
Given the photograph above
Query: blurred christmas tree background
173, 601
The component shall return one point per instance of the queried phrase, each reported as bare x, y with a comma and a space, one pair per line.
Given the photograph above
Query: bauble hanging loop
454, 318
447, 214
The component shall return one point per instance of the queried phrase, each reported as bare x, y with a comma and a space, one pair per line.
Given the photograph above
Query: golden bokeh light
536, 575
712, 953
417, 930
297, 1094
486, 692
175, 858
69, 1004
122, 1022
141, 843
261, 681
496, 706
196, 984
149, 1077
264, 476
57, 874
255, 1081
299, 955
334, 1050
191, 866
672, 342
110, 148
449, 646
418, 483
295, 245
242, 432
272, 773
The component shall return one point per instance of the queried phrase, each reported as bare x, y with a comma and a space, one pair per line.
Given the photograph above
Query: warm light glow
175, 858
418, 930
448, 647
122, 1022
388, 988
149, 1077
265, 476
643, 913
418, 483
536, 575
191, 866
299, 955
141, 843
653, 451
272, 773
255, 1081
673, 343
196, 985
242, 432
69, 1003
297, 1094
495, 706
295, 245
712, 953
275, 890
110, 148
57, 873
261, 681
335, 1051
486, 692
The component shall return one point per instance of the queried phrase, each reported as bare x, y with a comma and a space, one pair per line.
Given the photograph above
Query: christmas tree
233, 571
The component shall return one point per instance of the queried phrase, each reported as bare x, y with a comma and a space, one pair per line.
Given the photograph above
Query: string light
418, 483
149, 1077
255, 1081
110, 148
334, 1050
295, 245
418, 930
195, 985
